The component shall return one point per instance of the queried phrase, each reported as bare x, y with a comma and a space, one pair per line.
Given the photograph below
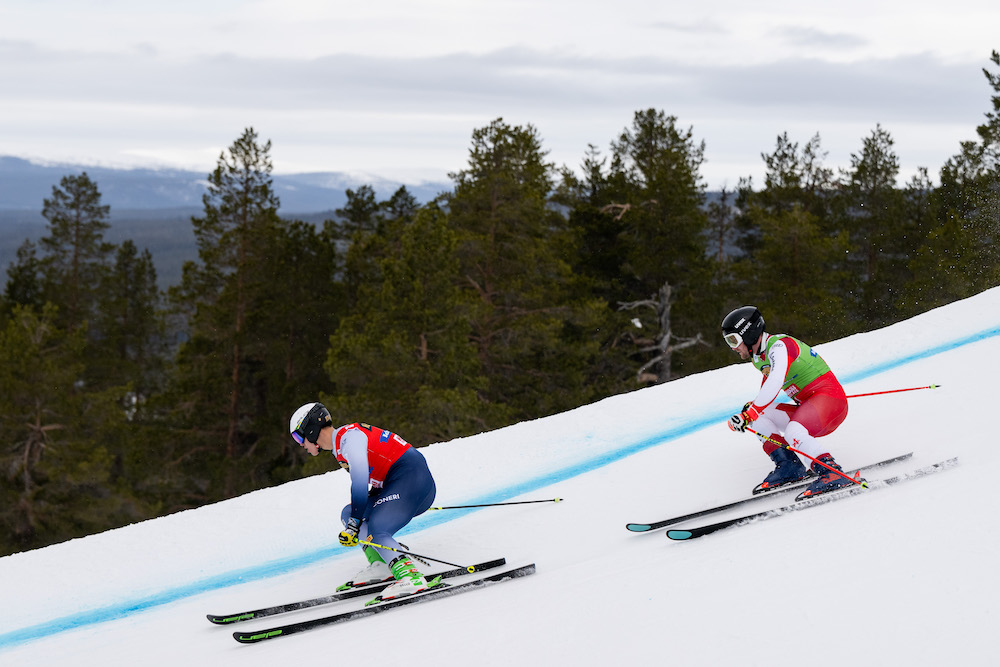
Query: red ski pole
860, 483
893, 391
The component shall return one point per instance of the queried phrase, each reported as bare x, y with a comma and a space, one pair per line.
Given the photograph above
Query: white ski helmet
308, 421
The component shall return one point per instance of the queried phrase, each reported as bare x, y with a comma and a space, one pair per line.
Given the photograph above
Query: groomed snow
905, 575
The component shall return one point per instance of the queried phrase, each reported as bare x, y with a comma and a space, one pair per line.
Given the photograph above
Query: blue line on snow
284, 566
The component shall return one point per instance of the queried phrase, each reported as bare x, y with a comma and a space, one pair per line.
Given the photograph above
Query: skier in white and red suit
819, 403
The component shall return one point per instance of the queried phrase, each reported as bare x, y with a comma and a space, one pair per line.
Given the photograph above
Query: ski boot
376, 572
408, 579
828, 479
788, 468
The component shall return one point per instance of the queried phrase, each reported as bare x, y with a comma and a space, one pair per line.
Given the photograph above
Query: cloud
701, 27
809, 37
908, 87
346, 111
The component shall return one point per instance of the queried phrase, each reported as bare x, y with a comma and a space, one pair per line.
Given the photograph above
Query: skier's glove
740, 422
349, 535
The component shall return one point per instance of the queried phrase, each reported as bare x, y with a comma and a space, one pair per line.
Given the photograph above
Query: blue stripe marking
286, 565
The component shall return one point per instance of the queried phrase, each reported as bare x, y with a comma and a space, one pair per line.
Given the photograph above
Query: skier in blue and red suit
390, 484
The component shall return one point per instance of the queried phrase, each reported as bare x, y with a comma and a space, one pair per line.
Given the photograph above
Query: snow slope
904, 575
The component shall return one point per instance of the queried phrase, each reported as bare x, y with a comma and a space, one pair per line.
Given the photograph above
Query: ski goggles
310, 426
734, 340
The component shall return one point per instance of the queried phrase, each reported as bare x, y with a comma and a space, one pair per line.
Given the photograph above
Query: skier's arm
777, 357
354, 449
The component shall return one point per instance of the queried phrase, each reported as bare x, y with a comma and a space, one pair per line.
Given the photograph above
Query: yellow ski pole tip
471, 568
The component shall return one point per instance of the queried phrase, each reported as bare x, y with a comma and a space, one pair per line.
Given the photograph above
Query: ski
226, 619
441, 590
379, 599
838, 494
645, 527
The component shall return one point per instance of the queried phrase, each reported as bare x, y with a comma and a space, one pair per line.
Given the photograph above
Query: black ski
441, 590
226, 619
645, 527
845, 492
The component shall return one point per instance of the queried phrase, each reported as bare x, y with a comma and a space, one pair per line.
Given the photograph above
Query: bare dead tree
665, 343
619, 210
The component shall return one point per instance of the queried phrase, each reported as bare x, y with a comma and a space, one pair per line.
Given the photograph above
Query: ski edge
229, 619
440, 591
848, 492
646, 527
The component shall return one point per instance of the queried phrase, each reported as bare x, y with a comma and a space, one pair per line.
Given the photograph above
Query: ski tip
226, 620
638, 527
254, 637
679, 534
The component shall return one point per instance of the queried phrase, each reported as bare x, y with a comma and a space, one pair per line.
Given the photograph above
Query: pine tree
75, 251
874, 216
59, 476
601, 248
655, 168
132, 346
517, 282
794, 281
967, 204
24, 279
402, 358
219, 293
792, 264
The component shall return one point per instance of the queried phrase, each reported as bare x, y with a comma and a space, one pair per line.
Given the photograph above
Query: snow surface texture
903, 576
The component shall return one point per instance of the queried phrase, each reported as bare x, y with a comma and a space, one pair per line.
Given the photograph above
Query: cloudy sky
396, 87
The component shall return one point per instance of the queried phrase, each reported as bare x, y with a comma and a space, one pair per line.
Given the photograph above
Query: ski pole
792, 449
893, 391
516, 502
470, 568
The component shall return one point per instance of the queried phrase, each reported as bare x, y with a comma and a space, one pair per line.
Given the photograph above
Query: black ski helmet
308, 421
743, 325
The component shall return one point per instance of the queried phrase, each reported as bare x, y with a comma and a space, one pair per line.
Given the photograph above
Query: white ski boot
408, 580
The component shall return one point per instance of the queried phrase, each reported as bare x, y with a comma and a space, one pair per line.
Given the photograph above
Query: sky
903, 575
396, 88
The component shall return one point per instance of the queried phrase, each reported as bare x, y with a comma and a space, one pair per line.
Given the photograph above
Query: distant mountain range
153, 207
24, 184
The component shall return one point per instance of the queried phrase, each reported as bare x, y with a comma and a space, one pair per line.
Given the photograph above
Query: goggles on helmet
311, 424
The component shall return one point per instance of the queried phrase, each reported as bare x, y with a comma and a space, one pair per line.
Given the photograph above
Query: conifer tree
219, 293
792, 252
967, 203
75, 251
513, 251
656, 169
874, 217
24, 279
132, 347
403, 355
59, 478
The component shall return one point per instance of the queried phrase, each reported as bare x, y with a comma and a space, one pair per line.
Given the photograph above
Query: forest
523, 291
